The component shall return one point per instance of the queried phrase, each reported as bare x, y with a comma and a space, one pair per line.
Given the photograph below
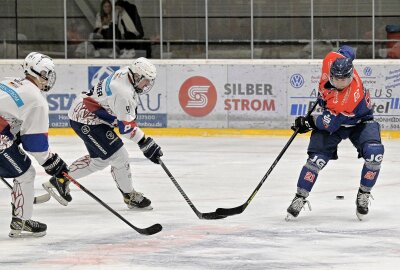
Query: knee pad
316, 162
120, 158
373, 154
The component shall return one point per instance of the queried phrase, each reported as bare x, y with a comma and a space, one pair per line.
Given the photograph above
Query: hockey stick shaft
211, 215
146, 231
241, 208
36, 200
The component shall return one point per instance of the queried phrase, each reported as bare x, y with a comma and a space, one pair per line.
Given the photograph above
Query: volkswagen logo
367, 71
296, 80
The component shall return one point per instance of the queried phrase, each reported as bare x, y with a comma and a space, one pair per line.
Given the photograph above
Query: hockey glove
304, 124
55, 166
150, 149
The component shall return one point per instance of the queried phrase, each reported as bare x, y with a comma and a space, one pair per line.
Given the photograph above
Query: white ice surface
215, 172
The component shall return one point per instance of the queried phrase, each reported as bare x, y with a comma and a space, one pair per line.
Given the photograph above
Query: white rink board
263, 94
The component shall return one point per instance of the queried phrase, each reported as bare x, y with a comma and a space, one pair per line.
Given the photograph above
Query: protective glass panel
184, 29
387, 29
282, 29
343, 22
8, 33
229, 29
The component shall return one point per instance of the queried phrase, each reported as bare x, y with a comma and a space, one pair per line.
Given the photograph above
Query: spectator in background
129, 27
103, 30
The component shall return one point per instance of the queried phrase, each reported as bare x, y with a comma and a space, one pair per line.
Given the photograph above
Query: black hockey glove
55, 166
304, 124
150, 149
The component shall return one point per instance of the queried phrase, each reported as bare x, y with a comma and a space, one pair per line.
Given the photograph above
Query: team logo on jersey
297, 80
197, 96
99, 73
367, 71
370, 175
326, 120
309, 177
85, 129
110, 135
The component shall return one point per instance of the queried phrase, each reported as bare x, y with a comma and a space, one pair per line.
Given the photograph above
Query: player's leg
121, 172
101, 142
14, 163
321, 149
366, 138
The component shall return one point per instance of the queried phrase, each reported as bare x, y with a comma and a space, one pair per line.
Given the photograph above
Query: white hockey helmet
40, 66
144, 70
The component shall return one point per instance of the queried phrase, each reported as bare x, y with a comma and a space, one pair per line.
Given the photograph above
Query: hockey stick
36, 200
146, 231
239, 209
210, 215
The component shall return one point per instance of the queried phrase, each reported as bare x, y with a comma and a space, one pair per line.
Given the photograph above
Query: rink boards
222, 95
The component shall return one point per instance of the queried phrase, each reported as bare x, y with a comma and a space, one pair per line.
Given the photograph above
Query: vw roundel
297, 80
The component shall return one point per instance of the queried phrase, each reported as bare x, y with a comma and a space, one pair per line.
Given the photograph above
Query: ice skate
136, 200
26, 228
62, 193
362, 203
296, 206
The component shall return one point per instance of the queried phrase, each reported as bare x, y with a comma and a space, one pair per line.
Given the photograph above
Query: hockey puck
339, 197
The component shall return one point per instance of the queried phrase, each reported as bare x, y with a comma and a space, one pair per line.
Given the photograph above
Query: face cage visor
148, 84
49, 77
340, 83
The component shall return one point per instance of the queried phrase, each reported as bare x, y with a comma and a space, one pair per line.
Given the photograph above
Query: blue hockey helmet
347, 51
341, 73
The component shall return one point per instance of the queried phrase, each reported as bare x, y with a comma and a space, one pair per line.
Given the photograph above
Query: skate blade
137, 209
50, 189
359, 216
22, 234
289, 217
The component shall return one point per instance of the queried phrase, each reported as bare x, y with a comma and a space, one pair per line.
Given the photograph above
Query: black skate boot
62, 195
26, 228
136, 200
296, 206
362, 203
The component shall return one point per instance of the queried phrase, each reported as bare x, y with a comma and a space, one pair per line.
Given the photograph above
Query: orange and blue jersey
341, 108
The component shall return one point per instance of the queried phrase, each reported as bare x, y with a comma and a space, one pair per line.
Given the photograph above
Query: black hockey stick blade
153, 229
210, 215
36, 200
231, 211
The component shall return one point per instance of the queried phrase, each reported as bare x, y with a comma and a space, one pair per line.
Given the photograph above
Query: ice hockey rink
215, 172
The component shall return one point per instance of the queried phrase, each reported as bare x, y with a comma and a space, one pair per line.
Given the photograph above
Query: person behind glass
129, 27
24, 120
346, 114
103, 27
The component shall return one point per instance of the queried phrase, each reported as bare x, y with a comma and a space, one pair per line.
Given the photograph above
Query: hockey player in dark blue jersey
347, 114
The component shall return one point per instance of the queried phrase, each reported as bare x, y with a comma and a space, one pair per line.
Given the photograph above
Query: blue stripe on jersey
108, 81
125, 127
104, 115
35, 142
14, 95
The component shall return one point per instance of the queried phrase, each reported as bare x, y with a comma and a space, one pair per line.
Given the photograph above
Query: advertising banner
266, 94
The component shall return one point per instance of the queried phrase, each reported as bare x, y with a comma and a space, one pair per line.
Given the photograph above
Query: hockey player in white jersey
111, 103
24, 120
